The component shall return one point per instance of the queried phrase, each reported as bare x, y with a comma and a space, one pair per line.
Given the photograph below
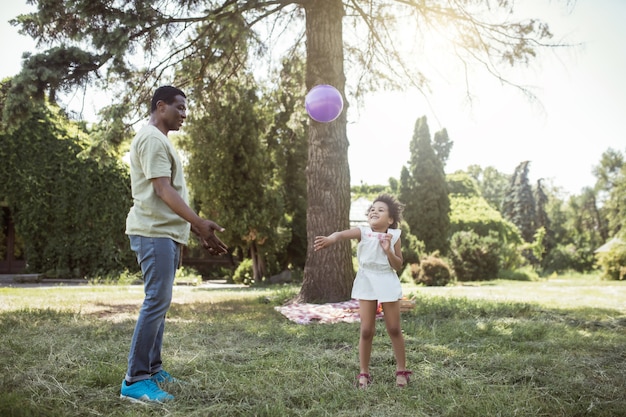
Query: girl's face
378, 217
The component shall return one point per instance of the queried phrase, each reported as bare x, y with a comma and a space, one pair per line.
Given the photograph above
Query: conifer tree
519, 202
442, 146
241, 194
424, 192
542, 219
610, 188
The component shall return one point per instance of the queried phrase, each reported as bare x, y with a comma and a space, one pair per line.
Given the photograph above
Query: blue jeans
158, 258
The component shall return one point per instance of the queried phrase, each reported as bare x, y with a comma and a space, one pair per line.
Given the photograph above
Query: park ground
553, 347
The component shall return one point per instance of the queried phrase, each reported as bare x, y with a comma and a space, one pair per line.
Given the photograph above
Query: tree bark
328, 274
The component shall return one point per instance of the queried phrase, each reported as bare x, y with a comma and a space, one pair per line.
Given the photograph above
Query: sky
580, 105
578, 114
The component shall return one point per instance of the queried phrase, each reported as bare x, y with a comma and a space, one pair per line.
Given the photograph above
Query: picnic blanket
302, 313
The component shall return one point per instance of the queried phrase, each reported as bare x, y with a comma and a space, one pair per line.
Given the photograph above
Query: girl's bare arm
395, 256
322, 242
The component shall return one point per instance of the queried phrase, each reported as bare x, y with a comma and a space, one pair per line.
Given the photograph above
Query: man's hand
209, 241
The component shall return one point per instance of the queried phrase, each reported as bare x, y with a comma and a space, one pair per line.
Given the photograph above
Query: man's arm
204, 228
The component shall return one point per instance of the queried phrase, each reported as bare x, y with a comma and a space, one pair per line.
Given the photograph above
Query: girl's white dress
375, 279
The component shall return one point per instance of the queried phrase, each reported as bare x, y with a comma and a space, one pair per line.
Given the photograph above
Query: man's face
174, 114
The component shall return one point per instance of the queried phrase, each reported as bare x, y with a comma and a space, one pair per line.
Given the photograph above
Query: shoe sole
140, 401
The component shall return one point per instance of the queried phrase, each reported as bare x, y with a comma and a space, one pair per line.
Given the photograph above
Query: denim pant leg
158, 258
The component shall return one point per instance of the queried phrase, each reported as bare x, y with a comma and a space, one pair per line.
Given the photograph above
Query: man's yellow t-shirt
152, 155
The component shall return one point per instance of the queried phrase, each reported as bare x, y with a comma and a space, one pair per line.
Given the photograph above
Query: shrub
412, 248
432, 271
613, 263
526, 273
475, 257
244, 274
476, 215
567, 258
69, 208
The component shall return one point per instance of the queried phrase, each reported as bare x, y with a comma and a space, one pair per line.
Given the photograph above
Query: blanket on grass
302, 313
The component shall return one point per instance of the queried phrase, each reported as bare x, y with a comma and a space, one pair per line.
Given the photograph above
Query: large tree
116, 33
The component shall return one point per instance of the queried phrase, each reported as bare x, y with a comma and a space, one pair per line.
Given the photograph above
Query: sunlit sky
579, 113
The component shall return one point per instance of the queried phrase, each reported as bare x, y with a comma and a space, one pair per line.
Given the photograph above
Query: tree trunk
258, 267
328, 274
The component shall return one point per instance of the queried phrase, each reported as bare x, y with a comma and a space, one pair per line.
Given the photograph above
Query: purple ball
323, 103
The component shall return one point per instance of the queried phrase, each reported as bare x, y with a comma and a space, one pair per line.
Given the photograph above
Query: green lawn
555, 347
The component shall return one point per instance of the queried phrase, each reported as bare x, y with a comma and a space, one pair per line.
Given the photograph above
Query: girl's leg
394, 330
367, 313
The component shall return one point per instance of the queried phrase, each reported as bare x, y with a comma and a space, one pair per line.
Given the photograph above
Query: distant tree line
255, 162
69, 194
487, 224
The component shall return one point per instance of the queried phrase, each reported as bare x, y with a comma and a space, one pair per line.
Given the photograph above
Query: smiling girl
380, 259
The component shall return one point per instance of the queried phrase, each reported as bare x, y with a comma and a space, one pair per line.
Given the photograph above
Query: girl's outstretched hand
321, 242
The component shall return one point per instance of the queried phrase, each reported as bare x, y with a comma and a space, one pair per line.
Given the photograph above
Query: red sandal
360, 384
406, 374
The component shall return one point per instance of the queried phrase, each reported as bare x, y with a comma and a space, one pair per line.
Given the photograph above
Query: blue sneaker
144, 391
163, 376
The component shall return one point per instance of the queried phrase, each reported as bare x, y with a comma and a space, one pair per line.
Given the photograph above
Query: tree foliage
442, 145
117, 32
475, 257
70, 210
519, 202
542, 220
610, 186
613, 262
61, 68
287, 142
473, 213
259, 191
241, 195
425, 193
493, 184
585, 223
173, 30
463, 185
473, 221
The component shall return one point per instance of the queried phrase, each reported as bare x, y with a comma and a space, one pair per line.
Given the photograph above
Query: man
158, 224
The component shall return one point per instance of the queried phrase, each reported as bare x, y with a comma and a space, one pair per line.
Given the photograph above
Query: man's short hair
165, 93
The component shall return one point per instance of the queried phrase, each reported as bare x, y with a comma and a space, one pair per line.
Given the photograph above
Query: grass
550, 348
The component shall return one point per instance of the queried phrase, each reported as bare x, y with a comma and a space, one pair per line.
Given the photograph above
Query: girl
380, 258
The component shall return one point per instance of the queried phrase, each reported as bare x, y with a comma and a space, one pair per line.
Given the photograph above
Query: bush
526, 273
474, 257
567, 258
476, 215
613, 263
412, 248
244, 274
432, 271
69, 209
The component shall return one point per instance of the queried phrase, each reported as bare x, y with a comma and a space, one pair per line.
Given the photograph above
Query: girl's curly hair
395, 208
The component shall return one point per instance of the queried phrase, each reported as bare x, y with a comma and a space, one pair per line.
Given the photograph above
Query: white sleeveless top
375, 279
